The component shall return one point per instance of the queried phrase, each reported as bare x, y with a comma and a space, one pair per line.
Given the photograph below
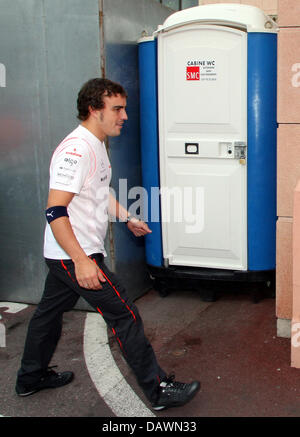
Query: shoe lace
49, 371
170, 378
174, 385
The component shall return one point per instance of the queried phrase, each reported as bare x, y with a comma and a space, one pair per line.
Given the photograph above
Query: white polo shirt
80, 165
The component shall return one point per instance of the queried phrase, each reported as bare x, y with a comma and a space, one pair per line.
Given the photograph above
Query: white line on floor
105, 374
13, 307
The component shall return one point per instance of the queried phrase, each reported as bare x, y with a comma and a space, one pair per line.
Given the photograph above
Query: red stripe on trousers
100, 311
65, 267
118, 294
114, 332
120, 343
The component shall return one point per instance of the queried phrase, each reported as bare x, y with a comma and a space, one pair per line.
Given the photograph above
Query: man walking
79, 204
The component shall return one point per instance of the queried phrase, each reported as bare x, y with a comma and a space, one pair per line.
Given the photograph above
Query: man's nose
124, 115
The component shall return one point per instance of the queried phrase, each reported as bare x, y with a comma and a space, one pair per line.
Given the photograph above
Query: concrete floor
230, 345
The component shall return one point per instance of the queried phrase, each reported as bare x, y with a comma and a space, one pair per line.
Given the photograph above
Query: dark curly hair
92, 93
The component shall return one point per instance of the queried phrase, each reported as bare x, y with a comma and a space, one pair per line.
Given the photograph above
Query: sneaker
174, 394
51, 379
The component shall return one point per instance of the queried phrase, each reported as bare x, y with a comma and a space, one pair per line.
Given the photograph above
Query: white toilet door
202, 83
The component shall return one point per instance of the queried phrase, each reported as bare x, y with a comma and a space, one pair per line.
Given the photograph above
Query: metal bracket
240, 150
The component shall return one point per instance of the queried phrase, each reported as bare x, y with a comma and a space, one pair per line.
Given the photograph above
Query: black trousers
111, 302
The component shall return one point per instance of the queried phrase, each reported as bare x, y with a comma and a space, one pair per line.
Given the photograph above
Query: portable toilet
208, 79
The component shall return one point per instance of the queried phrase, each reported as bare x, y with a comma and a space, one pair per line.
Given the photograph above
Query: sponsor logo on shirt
71, 161
63, 175
72, 170
74, 153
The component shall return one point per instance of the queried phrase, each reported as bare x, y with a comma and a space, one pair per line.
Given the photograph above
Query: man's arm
87, 273
137, 227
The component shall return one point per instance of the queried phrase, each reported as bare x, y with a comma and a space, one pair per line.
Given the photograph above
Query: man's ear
93, 111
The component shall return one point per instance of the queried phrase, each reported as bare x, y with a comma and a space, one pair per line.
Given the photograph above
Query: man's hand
88, 274
138, 228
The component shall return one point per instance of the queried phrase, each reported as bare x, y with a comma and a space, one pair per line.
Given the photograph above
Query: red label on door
192, 73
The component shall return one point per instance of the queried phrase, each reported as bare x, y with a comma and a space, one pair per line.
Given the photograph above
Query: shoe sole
23, 395
27, 393
179, 404
159, 408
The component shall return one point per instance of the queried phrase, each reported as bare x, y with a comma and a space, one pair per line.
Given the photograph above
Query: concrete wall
295, 324
48, 49
288, 154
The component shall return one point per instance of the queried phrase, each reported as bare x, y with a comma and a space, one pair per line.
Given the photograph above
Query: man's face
112, 116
